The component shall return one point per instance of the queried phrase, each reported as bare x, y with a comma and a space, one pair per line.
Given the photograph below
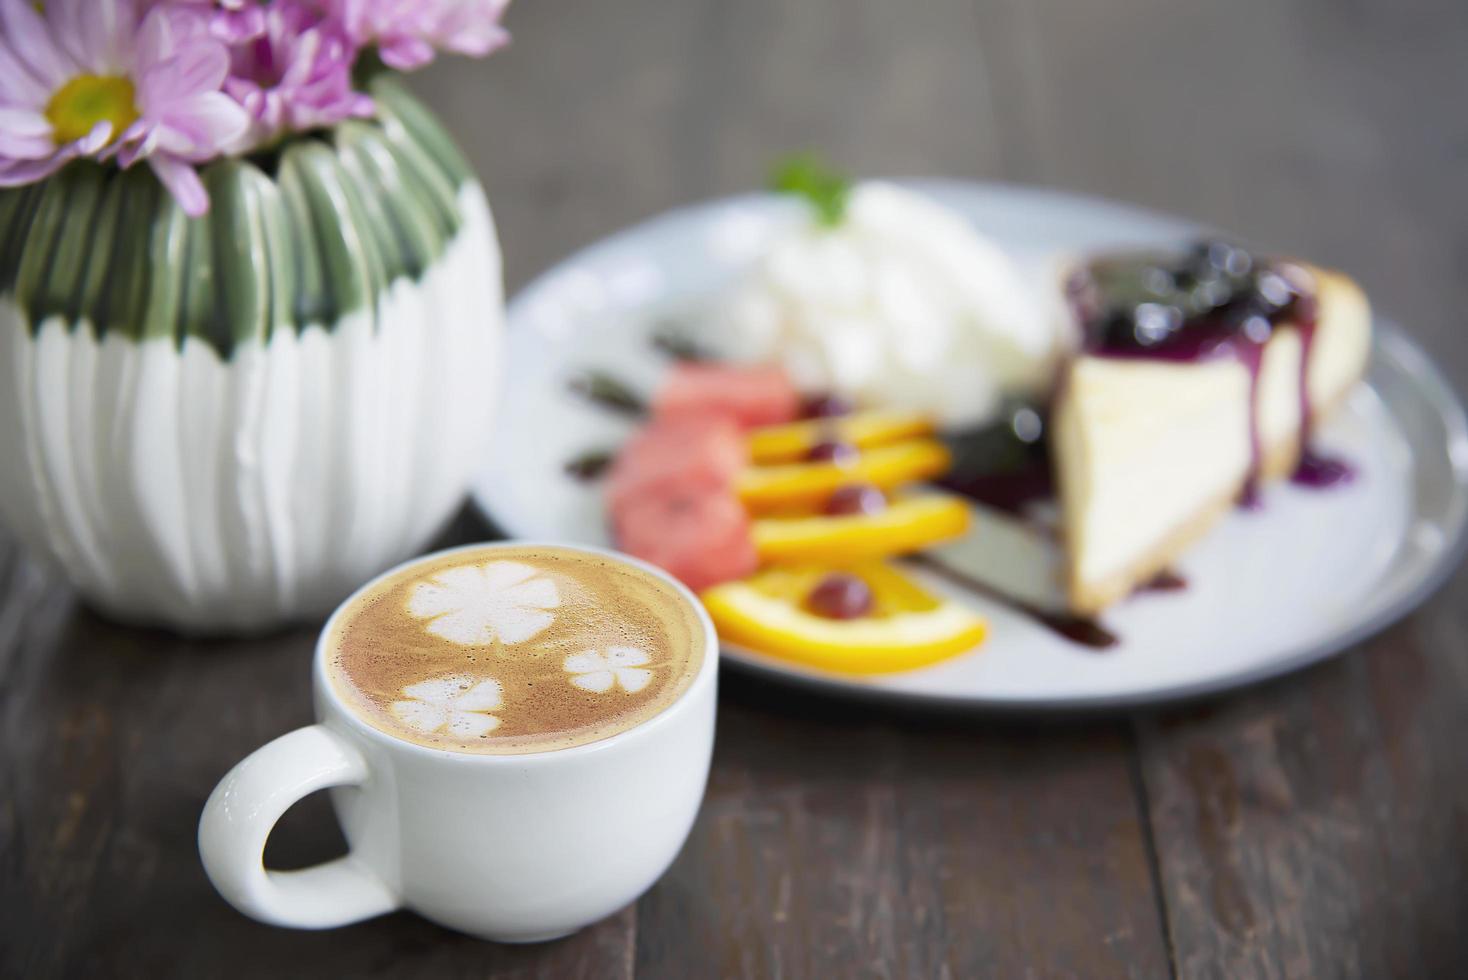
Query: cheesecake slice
1183, 396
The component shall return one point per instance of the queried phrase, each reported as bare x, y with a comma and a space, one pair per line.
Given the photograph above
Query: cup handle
243, 809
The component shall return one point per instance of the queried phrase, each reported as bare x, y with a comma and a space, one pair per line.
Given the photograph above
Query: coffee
514, 649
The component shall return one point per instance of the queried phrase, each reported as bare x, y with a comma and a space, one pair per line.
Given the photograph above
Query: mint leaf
806, 175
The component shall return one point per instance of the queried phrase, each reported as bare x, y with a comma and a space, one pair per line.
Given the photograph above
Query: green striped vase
223, 423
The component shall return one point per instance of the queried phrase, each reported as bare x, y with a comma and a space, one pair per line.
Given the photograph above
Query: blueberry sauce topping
854, 499
1316, 470
1209, 300
1214, 300
841, 596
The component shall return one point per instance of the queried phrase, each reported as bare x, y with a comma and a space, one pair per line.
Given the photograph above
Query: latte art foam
514, 649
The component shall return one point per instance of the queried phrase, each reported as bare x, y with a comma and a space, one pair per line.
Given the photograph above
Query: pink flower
406, 32
297, 74
105, 78
232, 21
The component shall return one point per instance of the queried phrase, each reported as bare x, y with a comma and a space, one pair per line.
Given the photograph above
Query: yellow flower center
85, 101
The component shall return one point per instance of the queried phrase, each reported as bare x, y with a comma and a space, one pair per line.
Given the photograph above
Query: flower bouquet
250, 298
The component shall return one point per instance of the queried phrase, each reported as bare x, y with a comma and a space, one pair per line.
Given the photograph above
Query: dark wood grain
1317, 826
904, 846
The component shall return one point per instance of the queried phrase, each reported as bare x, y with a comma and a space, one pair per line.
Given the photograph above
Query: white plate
1269, 591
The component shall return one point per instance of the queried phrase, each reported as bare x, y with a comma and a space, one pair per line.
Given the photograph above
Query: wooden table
1317, 826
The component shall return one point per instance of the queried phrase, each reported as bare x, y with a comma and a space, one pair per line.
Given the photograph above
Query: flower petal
470, 725
30, 38
484, 696
627, 656
108, 28
25, 135
239, 25
633, 679
499, 575
476, 604
585, 662
182, 182
469, 628
428, 599
18, 84
440, 690
23, 172
405, 53
97, 137
25, 147
473, 32
419, 716
599, 682
200, 127
155, 39
136, 143
63, 20
90, 30
200, 68
538, 592
303, 62
519, 625
24, 122
217, 119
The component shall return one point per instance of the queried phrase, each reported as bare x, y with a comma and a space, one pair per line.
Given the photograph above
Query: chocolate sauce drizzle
1080, 630
1166, 580
674, 342
590, 465
608, 392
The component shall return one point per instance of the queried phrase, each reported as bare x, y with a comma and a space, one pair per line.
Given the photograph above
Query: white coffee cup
514, 848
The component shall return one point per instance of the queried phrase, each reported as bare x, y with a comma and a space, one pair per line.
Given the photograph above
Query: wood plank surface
903, 845
1313, 827
1318, 827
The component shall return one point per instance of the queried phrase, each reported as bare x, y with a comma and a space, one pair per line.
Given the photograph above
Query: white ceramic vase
227, 423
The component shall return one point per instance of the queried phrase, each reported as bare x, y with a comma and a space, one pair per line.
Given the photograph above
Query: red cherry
856, 498
841, 596
826, 406
833, 451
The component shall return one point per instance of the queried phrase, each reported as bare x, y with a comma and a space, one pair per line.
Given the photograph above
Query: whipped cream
902, 305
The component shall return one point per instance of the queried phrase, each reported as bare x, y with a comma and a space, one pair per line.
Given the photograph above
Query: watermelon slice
696, 453
702, 537
672, 488
749, 395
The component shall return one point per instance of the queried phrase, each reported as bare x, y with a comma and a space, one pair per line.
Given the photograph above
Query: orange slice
789, 443
790, 487
908, 627
908, 524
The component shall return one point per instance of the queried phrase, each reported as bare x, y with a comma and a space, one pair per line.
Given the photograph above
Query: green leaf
807, 175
